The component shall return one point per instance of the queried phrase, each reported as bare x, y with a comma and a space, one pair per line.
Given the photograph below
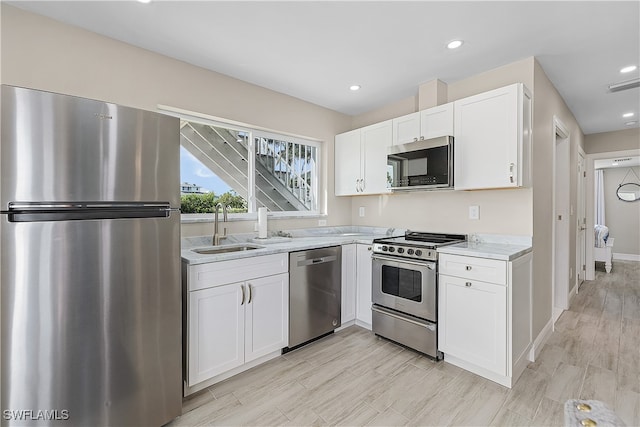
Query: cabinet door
487, 137
473, 322
436, 121
406, 128
363, 304
375, 141
349, 285
267, 316
216, 331
348, 163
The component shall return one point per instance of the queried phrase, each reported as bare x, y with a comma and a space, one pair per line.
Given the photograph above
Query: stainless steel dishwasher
315, 279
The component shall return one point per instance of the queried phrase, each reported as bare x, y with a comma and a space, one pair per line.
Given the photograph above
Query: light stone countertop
506, 248
283, 242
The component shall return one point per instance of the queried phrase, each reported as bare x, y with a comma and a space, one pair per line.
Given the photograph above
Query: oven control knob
418, 252
392, 249
410, 251
400, 250
384, 248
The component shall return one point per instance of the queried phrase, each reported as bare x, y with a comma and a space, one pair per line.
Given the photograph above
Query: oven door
405, 285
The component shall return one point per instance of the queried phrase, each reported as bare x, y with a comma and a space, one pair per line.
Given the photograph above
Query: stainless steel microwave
420, 165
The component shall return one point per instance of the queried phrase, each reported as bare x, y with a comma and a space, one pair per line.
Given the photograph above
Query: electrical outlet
361, 211
474, 212
322, 222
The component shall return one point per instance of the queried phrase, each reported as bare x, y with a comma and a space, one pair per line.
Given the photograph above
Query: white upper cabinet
492, 147
436, 121
375, 141
348, 163
361, 160
406, 128
425, 124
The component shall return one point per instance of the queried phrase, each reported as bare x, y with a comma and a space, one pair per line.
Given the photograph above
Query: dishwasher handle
316, 261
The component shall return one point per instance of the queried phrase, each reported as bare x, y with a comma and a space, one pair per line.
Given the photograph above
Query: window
246, 169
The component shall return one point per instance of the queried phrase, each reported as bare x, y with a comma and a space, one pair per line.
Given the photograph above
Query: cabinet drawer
482, 269
219, 273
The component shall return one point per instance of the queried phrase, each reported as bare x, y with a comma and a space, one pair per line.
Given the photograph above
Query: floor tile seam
389, 408
502, 404
337, 422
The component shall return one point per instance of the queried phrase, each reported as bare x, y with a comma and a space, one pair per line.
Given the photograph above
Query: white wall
41, 53
622, 218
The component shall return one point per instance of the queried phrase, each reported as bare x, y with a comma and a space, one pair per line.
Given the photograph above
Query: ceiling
315, 50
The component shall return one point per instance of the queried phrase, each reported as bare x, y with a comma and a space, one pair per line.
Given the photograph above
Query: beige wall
390, 111
547, 104
41, 53
621, 140
622, 218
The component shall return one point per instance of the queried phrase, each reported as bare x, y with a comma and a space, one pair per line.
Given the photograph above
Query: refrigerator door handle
36, 212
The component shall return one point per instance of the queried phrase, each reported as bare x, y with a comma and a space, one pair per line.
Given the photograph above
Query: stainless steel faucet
216, 236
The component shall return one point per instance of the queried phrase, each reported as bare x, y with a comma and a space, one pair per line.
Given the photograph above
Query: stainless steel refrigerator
90, 263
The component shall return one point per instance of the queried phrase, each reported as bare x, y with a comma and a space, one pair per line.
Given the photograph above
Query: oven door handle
430, 326
431, 265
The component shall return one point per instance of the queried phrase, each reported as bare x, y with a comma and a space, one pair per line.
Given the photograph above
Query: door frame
561, 135
581, 193
590, 273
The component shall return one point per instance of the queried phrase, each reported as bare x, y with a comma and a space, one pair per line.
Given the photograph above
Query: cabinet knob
421, 138
415, 139
369, 248
250, 293
468, 268
511, 165
242, 289
468, 284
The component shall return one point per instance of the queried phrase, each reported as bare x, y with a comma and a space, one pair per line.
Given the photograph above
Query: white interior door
561, 228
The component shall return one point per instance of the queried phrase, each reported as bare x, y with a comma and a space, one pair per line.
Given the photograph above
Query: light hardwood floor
353, 378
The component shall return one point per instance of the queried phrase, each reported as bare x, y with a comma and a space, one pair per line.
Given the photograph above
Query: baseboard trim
572, 293
363, 324
625, 257
557, 312
541, 340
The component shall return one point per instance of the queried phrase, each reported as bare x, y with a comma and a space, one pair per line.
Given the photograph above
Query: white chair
605, 254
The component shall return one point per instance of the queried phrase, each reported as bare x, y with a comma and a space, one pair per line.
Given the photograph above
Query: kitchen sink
213, 250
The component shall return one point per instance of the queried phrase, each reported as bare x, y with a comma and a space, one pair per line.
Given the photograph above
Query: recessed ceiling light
144, 1
628, 69
625, 115
354, 87
454, 44
631, 123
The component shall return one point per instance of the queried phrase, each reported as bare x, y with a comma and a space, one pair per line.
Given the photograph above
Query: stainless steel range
405, 288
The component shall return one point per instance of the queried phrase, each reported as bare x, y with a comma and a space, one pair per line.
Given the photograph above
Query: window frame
256, 132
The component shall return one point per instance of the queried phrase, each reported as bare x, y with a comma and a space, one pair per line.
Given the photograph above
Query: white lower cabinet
229, 325
349, 284
476, 323
363, 303
484, 319
216, 331
356, 284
